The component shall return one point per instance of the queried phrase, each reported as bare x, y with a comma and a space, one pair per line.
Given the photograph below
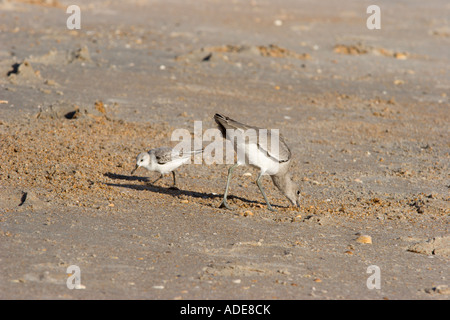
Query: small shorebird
163, 160
273, 160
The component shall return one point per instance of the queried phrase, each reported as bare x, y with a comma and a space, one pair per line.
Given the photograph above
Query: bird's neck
282, 181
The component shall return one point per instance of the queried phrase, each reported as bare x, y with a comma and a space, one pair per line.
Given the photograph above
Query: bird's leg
160, 177
224, 201
262, 191
174, 181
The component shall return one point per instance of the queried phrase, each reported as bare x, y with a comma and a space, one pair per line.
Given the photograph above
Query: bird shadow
173, 191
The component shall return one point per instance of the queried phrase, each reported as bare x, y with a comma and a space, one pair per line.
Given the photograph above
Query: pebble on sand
158, 287
364, 239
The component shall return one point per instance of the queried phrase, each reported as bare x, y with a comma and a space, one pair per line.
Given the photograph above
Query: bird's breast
250, 154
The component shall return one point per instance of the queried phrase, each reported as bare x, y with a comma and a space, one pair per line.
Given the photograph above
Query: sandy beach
365, 112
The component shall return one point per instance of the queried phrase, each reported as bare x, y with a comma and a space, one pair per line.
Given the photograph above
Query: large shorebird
260, 152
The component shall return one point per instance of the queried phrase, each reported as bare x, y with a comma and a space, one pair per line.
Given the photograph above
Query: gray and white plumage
283, 154
259, 151
163, 160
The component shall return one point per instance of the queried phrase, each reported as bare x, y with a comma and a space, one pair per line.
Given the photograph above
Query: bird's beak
295, 204
132, 172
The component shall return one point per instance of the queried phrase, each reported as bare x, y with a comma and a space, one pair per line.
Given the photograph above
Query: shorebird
272, 158
163, 160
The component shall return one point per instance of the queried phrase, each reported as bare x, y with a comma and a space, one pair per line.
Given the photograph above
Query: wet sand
365, 113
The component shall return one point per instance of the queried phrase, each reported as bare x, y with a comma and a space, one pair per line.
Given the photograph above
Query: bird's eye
142, 160
298, 192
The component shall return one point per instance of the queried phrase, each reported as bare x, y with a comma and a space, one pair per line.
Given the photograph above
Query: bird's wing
265, 139
163, 155
282, 153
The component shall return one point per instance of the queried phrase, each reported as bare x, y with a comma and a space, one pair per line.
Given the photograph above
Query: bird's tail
225, 123
197, 151
187, 153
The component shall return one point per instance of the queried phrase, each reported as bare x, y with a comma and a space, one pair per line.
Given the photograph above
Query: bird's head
294, 196
142, 160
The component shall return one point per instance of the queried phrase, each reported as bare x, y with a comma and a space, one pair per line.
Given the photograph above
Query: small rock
283, 271
364, 239
80, 54
100, 107
441, 289
400, 56
30, 200
434, 246
23, 73
50, 82
158, 287
278, 23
